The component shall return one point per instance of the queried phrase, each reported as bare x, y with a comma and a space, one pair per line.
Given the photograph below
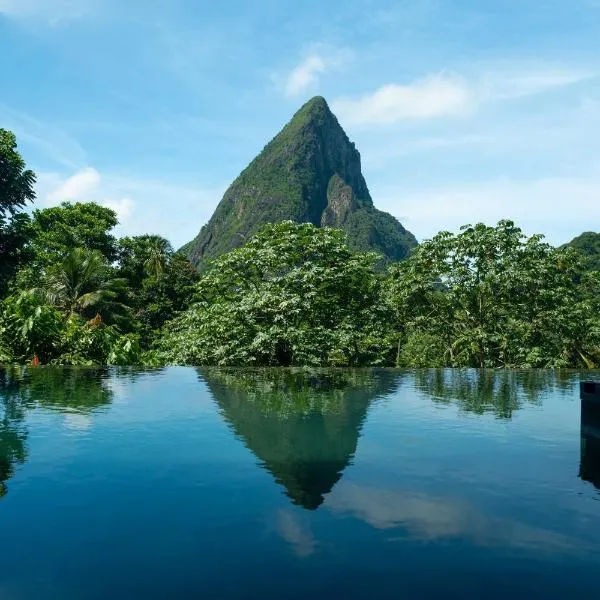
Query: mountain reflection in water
303, 426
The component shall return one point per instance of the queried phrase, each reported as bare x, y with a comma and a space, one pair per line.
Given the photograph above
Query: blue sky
463, 110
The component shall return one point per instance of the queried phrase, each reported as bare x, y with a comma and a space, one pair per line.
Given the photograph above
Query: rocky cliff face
310, 172
341, 203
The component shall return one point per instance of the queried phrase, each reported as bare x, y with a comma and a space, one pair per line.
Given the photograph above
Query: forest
72, 293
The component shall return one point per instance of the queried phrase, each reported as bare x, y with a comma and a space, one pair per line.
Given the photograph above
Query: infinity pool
208, 483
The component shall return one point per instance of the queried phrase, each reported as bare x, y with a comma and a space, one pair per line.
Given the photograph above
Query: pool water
274, 483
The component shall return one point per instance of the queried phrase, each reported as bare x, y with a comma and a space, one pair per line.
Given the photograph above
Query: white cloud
296, 532
429, 518
86, 185
306, 75
78, 422
435, 96
448, 95
169, 209
76, 187
561, 208
123, 207
518, 83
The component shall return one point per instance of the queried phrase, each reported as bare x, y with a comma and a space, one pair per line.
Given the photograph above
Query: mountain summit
310, 172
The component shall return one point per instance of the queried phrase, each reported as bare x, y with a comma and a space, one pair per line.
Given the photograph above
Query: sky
464, 111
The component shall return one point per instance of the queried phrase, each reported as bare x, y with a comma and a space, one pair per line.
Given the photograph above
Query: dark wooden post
590, 402
589, 469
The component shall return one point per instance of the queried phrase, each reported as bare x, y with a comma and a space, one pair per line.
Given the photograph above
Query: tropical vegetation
293, 294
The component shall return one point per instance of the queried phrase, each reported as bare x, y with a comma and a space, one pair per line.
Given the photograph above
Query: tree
294, 295
142, 256
160, 281
490, 297
16, 189
57, 230
159, 252
83, 285
16, 182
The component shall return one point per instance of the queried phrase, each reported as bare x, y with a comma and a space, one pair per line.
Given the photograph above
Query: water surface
190, 483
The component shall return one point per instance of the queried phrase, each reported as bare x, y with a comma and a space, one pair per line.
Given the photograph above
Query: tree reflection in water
501, 393
68, 389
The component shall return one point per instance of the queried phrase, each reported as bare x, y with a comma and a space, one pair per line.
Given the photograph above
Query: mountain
310, 172
588, 243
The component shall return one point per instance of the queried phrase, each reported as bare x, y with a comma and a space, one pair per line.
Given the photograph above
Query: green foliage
142, 256
29, 327
84, 343
588, 244
14, 252
309, 172
160, 282
83, 284
125, 350
420, 349
58, 230
16, 182
368, 228
489, 297
294, 295
88, 343
16, 189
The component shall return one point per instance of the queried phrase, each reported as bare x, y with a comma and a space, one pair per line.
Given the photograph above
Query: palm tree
159, 251
82, 284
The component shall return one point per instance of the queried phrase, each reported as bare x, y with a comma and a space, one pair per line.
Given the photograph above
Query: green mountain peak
309, 172
588, 243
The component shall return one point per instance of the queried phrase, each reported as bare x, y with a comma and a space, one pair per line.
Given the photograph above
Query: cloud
435, 96
86, 185
78, 422
519, 83
296, 533
194, 205
451, 95
76, 187
536, 205
306, 75
123, 207
433, 518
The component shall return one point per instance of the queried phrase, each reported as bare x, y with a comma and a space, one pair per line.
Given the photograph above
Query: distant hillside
310, 172
589, 244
